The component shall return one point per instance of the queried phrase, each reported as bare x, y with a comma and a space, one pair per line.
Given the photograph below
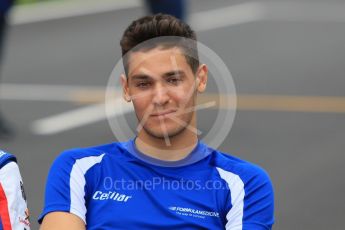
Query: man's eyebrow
140, 77
172, 73
143, 76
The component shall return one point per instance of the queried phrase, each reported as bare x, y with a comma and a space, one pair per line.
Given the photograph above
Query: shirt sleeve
252, 201
13, 207
258, 203
65, 187
58, 187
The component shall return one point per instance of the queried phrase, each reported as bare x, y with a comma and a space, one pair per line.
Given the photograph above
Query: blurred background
287, 58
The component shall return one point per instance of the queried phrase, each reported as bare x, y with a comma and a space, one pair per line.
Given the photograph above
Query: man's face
162, 87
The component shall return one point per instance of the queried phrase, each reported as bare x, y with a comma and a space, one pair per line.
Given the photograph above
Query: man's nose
161, 95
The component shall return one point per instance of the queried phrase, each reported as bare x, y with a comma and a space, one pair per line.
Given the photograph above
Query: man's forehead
148, 61
157, 52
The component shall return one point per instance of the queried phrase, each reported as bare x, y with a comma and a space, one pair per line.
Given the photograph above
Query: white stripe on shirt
235, 215
77, 184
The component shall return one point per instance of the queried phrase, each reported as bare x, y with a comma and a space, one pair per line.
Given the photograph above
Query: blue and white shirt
115, 186
14, 214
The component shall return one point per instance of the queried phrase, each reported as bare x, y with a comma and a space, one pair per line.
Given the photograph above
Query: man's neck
172, 149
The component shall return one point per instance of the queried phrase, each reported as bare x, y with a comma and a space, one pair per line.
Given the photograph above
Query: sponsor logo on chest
183, 211
111, 195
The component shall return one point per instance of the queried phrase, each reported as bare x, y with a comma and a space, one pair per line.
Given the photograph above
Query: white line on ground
76, 118
46, 11
269, 11
227, 16
201, 21
69, 120
36, 92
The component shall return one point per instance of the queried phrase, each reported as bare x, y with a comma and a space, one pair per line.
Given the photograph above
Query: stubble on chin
161, 135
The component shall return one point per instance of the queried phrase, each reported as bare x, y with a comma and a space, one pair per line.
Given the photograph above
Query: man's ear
125, 88
201, 78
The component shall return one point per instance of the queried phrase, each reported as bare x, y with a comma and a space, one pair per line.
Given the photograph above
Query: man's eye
142, 84
174, 80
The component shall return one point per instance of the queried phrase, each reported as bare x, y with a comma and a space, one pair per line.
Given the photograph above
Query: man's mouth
164, 113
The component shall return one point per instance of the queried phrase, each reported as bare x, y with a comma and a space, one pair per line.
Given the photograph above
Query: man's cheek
186, 101
141, 108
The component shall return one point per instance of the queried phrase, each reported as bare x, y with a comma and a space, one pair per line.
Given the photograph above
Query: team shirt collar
199, 152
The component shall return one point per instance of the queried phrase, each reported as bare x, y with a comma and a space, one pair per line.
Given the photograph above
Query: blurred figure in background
14, 213
5, 5
176, 8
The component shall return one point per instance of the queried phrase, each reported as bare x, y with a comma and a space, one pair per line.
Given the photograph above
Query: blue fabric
5, 158
198, 153
128, 191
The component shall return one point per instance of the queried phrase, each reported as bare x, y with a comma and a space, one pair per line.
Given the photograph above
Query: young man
165, 178
14, 214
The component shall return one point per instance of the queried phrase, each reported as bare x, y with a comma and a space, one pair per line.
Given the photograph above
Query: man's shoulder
99, 151
78, 161
5, 158
246, 170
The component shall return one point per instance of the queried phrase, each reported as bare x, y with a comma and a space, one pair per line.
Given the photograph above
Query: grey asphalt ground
302, 151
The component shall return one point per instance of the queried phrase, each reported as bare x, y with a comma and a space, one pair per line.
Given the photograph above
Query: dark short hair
175, 33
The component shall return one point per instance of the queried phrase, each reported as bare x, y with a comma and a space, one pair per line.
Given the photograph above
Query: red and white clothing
14, 214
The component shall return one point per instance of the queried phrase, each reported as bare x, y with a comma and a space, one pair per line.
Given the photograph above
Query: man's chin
160, 134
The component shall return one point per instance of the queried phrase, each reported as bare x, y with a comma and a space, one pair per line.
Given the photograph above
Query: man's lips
163, 113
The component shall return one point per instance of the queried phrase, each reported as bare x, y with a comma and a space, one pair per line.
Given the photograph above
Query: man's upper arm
59, 189
258, 202
62, 220
65, 188
252, 201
